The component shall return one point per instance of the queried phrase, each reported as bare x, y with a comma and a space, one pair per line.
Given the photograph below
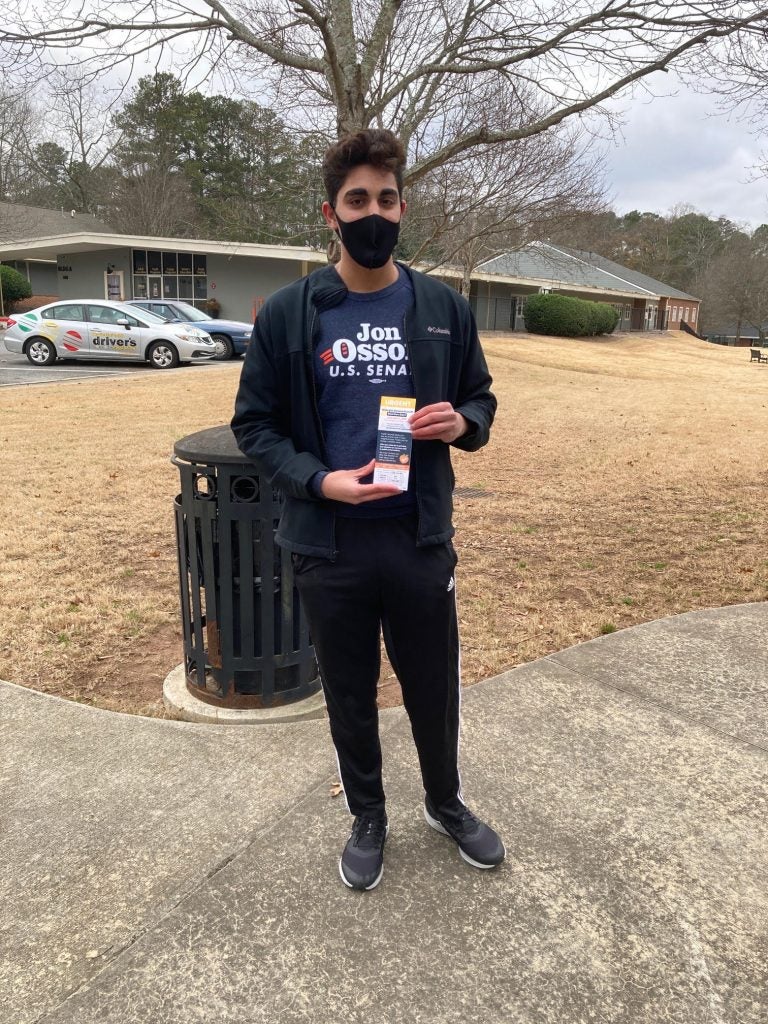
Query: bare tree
18, 119
149, 200
498, 198
405, 63
83, 115
736, 286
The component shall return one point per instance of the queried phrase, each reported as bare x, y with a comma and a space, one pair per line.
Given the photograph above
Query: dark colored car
230, 337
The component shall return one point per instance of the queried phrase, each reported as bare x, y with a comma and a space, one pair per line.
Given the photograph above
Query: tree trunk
465, 281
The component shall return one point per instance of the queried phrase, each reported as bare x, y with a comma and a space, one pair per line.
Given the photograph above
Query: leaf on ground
336, 788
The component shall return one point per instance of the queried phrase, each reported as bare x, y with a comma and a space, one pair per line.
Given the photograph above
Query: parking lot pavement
16, 370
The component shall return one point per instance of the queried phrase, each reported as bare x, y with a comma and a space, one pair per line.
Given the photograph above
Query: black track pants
381, 580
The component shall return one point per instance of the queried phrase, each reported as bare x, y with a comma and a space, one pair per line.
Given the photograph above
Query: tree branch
485, 137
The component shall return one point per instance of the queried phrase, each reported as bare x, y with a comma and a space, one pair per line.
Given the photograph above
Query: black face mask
369, 240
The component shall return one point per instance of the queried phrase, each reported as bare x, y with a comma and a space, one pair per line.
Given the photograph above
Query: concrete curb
179, 701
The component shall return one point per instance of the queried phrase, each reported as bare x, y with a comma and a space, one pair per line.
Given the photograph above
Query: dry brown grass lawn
627, 481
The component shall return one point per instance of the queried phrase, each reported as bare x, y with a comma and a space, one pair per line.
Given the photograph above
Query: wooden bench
756, 356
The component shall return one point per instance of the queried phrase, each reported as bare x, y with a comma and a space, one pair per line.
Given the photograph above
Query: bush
15, 287
605, 317
566, 317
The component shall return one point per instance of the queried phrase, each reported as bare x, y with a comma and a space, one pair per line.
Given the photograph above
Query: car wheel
224, 347
162, 355
41, 352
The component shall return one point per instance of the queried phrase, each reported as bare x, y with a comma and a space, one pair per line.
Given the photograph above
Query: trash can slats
246, 640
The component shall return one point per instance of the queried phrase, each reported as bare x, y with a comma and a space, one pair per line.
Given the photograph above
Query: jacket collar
326, 288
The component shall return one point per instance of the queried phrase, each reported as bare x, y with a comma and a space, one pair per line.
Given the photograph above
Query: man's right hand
344, 485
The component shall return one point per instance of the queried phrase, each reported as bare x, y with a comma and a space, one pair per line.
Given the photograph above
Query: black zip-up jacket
277, 424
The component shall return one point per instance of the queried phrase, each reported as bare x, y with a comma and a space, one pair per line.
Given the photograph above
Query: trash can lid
216, 444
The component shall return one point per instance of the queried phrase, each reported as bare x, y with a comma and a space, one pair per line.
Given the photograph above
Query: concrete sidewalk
174, 873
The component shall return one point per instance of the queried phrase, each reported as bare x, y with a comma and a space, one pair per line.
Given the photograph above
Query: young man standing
368, 556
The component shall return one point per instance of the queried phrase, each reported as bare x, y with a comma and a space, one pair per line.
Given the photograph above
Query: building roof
33, 233
729, 331
633, 276
560, 266
19, 222
93, 241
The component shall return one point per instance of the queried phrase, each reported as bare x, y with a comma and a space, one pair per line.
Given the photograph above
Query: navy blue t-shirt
361, 355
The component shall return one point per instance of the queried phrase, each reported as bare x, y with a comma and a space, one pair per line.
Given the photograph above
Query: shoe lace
369, 832
461, 822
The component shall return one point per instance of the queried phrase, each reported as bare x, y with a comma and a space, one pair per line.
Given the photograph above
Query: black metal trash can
246, 640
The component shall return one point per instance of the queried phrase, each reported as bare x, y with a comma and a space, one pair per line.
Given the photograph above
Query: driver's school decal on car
70, 339
26, 323
114, 341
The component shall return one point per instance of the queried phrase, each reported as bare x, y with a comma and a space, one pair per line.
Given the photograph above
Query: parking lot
16, 370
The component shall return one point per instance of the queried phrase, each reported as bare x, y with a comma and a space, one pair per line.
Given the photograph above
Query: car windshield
147, 317
189, 312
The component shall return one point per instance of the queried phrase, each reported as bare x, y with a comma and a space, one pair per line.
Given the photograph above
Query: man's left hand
438, 422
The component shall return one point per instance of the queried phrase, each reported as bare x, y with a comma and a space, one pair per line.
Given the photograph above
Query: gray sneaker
362, 862
478, 844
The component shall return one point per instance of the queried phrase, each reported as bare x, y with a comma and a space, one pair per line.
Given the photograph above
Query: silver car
85, 329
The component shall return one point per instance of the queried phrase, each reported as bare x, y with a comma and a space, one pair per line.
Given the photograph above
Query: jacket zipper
309, 356
415, 392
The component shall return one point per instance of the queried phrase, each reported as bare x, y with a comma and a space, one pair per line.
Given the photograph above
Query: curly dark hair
375, 146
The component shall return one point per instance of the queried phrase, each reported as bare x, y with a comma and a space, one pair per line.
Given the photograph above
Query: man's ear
330, 216
403, 208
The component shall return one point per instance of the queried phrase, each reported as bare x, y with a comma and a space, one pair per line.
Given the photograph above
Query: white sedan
85, 329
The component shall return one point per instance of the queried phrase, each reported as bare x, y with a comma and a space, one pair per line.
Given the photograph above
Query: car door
108, 339
66, 321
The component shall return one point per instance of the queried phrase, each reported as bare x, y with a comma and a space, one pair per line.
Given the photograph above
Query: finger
364, 470
439, 409
435, 424
429, 410
428, 429
372, 492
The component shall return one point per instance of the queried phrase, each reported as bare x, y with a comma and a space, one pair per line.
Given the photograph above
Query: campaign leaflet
393, 445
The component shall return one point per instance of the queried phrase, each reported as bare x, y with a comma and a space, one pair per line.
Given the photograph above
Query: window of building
170, 275
693, 314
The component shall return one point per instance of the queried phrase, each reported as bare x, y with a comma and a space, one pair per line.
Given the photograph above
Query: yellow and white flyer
393, 445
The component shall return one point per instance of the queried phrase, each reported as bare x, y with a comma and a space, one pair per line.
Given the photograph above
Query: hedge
15, 287
566, 317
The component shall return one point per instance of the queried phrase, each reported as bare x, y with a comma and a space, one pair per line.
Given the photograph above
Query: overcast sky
681, 149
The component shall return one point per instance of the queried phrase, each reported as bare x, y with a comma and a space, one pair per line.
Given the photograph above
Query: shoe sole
367, 888
465, 856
